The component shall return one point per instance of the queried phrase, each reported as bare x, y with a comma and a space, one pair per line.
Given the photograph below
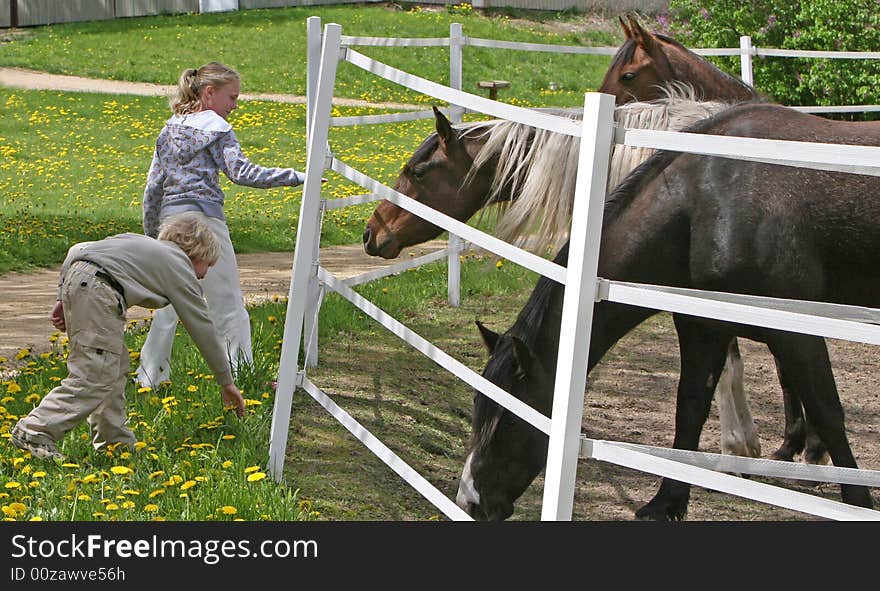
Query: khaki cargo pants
98, 366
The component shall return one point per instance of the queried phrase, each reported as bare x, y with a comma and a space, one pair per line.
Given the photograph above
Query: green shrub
824, 25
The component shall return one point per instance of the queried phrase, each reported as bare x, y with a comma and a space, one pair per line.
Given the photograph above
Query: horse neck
711, 83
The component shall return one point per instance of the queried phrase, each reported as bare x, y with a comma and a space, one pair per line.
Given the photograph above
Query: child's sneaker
38, 449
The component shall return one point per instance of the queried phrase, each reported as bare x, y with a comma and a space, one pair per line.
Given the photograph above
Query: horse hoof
818, 457
784, 454
661, 511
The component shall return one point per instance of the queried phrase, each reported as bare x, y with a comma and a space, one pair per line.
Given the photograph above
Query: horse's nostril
367, 234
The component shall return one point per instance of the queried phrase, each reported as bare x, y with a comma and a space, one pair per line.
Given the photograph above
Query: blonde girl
196, 144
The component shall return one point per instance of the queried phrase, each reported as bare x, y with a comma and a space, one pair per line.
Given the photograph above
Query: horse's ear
626, 30
524, 358
643, 38
490, 338
444, 128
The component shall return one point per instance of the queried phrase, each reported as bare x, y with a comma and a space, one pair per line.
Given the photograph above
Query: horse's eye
418, 172
628, 77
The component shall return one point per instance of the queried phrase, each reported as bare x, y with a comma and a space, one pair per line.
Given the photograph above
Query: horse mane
527, 328
539, 167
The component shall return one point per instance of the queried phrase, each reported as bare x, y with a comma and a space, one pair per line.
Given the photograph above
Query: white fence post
305, 255
577, 307
745, 56
313, 293
313, 62
453, 273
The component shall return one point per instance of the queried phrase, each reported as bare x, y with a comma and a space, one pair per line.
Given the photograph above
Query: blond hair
187, 99
192, 235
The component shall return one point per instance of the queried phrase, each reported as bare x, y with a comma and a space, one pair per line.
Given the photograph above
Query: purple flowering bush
825, 25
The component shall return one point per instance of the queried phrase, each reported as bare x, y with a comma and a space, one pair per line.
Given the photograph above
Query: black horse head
506, 452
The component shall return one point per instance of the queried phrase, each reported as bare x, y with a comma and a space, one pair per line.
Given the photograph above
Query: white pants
225, 305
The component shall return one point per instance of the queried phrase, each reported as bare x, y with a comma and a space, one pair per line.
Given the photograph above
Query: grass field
72, 169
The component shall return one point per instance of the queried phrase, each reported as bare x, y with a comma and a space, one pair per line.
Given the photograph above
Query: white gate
583, 287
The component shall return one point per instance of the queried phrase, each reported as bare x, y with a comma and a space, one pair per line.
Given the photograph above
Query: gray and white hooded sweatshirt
185, 173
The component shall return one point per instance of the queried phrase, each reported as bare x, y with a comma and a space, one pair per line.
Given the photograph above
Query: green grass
268, 47
196, 462
72, 168
73, 164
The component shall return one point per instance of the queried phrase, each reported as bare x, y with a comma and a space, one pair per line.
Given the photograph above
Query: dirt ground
27, 298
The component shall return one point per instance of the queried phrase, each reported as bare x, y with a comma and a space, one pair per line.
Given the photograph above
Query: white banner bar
756, 466
331, 204
845, 55
839, 109
744, 314
490, 243
523, 46
562, 125
734, 485
388, 118
397, 268
823, 309
822, 156
441, 358
348, 41
384, 453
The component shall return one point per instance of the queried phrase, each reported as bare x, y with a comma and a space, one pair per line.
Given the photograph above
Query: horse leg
800, 435
738, 434
703, 353
805, 368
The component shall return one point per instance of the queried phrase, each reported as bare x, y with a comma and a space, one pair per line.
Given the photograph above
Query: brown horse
458, 174
646, 63
641, 70
706, 223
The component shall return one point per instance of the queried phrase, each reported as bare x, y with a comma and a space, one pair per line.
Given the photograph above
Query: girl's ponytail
191, 83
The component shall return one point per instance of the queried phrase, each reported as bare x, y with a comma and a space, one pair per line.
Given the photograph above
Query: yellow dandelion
139, 445
192, 389
121, 470
69, 465
151, 508
228, 437
13, 388
256, 476
32, 398
83, 497
499, 264
36, 518
12, 484
157, 492
228, 510
188, 485
156, 474
227, 464
144, 389
8, 511
250, 469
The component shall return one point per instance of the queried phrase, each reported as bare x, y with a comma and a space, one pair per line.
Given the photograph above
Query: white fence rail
582, 288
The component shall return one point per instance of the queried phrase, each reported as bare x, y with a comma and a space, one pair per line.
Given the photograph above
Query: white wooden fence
583, 287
